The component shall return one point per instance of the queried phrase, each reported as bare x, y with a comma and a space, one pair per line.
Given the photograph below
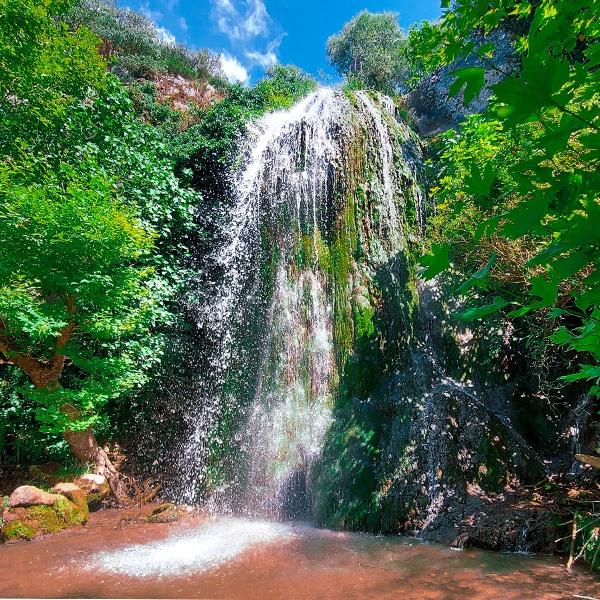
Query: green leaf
472, 79
436, 262
585, 372
478, 312
525, 217
479, 182
478, 279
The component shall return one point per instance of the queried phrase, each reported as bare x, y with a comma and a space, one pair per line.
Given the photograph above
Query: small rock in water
164, 513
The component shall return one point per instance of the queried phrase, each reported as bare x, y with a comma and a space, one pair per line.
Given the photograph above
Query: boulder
28, 522
29, 495
164, 513
95, 488
73, 493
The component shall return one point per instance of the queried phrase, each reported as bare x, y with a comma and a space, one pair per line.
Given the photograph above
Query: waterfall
263, 401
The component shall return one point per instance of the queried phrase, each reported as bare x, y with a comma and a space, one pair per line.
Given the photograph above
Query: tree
69, 286
369, 50
92, 227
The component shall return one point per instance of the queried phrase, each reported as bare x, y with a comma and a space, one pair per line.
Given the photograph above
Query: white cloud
233, 69
242, 20
182, 24
153, 15
165, 36
269, 57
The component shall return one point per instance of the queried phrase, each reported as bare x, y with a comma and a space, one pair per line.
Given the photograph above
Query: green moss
312, 252
343, 250
17, 530
71, 513
45, 518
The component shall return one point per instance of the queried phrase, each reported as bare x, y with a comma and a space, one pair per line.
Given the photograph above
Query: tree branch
40, 372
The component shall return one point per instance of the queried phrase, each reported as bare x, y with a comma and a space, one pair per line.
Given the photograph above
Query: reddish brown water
226, 558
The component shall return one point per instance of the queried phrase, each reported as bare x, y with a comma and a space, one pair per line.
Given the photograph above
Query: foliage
45, 71
418, 63
587, 543
369, 50
93, 225
520, 182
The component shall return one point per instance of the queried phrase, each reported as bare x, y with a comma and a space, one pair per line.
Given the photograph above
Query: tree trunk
85, 448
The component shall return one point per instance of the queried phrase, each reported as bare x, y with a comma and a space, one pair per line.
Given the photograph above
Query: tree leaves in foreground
522, 180
92, 226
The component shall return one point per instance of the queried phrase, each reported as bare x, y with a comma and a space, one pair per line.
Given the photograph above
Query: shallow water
228, 558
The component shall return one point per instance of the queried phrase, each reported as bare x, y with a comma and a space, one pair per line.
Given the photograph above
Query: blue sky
252, 35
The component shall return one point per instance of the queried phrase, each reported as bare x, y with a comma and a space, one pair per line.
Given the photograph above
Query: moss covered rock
17, 530
164, 513
28, 522
73, 493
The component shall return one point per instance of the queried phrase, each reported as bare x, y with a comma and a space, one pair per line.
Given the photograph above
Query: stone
95, 487
25, 523
29, 495
73, 493
70, 513
164, 513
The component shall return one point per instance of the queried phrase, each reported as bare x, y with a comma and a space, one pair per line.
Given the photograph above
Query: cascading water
268, 312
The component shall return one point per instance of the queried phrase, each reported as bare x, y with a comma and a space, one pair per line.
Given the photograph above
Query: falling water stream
283, 185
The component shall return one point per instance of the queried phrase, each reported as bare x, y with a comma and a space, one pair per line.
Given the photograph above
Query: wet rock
29, 495
164, 513
447, 456
95, 488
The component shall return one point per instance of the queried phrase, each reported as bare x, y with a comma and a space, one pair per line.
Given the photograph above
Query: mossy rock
164, 513
17, 530
75, 495
25, 523
70, 513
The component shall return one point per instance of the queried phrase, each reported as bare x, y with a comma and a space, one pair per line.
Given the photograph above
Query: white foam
197, 550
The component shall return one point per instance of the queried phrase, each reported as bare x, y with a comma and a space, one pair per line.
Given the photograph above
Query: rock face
431, 107
29, 520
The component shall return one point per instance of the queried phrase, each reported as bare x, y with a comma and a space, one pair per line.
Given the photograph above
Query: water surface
238, 559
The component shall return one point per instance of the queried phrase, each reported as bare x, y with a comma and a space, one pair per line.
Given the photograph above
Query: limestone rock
29, 495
